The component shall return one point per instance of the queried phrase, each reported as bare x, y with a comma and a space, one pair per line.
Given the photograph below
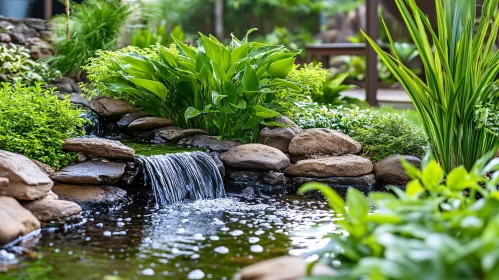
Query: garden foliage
436, 229
34, 122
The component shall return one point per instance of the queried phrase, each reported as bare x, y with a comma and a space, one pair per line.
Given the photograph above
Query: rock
4, 182
389, 170
87, 196
90, 172
5, 38
129, 118
149, 123
209, 142
255, 156
99, 147
15, 221
47, 169
220, 165
174, 134
81, 157
336, 166
75, 97
17, 38
51, 195
64, 87
323, 141
36, 23
340, 184
26, 180
274, 178
244, 176
109, 107
279, 137
282, 268
46, 35
49, 209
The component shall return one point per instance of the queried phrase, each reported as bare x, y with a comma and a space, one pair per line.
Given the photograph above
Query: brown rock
50, 209
87, 195
209, 142
317, 141
279, 137
90, 172
4, 182
174, 134
363, 183
336, 166
390, 170
99, 147
5, 38
26, 180
46, 35
15, 221
109, 107
255, 156
47, 169
149, 123
36, 23
127, 119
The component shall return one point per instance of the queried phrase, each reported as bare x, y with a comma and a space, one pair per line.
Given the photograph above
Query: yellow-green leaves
432, 175
281, 68
334, 200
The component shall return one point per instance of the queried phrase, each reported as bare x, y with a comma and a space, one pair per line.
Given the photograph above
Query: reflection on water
196, 240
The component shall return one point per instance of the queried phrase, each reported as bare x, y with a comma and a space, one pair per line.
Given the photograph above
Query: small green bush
34, 122
17, 67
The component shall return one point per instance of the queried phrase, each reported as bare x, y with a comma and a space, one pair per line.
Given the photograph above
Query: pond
204, 239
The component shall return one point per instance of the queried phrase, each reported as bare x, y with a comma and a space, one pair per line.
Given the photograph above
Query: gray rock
109, 107
336, 166
36, 23
87, 196
75, 97
47, 169
17, 38
5, 38
65, 87
46, 35
15, 220
26, 180
323, 141
220, 165
129, 118
274, 178
90, 172
209, 142
49, 209
4, 182
99, 147
174, 134
279, 137
149, 123
364, 180
389, 170
255, 156
244, 176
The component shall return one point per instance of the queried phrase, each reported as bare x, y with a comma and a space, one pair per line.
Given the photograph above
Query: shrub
17, 67
435, 229
226, 90
94, 25
34, 122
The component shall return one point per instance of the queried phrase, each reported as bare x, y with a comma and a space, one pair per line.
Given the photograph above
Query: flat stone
323, 141
47, 169
336, 166
389, 170
90, 172
149, 123
26, 180
87, 195
281, 268
49, 209
127, 119
360, 181
15, 220
244, 176
174, 134
75, 97
209, 142
5, 38
109, 107
255, 156
274, 178
36, 23
279, 137
99, 147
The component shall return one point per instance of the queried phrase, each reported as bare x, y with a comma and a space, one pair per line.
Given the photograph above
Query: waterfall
174, 176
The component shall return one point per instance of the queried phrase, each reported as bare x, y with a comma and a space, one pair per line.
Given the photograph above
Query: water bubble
180, 230
99, 225
221, 250
148, 272
120, 224
195, 256
253, 240
256, 248
259, 232
119, 233
88, 239
198, 236
236, 232
225, 229
107, 233
196, 274
214, 238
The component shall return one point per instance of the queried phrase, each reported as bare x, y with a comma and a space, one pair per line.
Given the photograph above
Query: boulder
336, 166
109, 107
15, 220
389, 170
323, 141
281, 268
90, 172
87, 195
127, 119
279, 137
75, 98
26, 180
149, 123
50, 209
363, 183
99, 147
274, 178
4, 182
47, 169
255, 156
36, 23
209, 142
174, 134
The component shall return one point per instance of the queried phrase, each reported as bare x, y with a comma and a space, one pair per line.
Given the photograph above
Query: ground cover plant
34, 122
460, 66
436, 229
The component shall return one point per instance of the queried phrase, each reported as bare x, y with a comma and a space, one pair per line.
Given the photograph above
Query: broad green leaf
155, 87
358, 206
250, 81
216, 97
230, 91
414, 188
263, 112
411, 171
281, 68
334, 200
188, 51
457, 180
432, 175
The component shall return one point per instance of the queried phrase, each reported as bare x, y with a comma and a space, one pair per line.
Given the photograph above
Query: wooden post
219, 19
47, 9
371, 56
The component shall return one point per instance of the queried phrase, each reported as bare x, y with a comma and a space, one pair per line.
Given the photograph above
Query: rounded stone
279, 137
149, 123
90, 172
390, 170
323, 141
15, 220
99, 147
335, 166
109, 107
88, 195
255, 156
49, 209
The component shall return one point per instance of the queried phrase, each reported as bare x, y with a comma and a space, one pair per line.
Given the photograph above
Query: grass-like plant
460, 65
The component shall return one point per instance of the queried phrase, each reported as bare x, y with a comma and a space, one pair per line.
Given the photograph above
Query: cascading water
173, 177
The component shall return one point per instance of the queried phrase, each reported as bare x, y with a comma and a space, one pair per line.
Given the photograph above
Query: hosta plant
226, 90
436, 229
461, 64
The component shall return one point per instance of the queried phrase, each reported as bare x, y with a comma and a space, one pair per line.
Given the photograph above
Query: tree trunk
219, 19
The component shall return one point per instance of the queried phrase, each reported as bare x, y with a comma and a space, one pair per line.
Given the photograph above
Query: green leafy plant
95, 25
436, 229
226, 90
144, 38
17, 67
34, 122
460, 66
